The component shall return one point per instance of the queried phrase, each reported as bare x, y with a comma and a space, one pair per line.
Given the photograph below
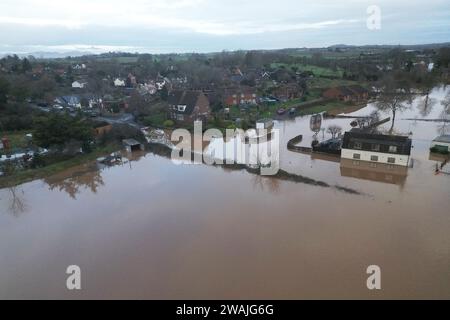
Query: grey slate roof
367, 140
184, 97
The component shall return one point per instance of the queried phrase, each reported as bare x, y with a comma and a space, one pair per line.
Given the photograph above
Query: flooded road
152, 229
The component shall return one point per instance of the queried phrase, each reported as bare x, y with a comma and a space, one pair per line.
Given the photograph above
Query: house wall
401, 160
241, 98
102, 130
332, 93
202, 107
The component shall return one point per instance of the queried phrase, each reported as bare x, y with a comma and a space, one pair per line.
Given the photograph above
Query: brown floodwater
153, 229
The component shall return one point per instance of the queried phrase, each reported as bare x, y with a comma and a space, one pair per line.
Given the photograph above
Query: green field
318, 71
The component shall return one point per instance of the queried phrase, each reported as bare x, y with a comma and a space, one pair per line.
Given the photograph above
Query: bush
168, 123
155, 120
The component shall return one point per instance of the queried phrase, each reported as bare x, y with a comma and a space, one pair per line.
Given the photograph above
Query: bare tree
334, 130
444, 128
393, 98
17, 205
446, 103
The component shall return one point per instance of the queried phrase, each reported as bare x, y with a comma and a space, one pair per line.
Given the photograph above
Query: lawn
156, 120
318, 71
333, 107
323, 83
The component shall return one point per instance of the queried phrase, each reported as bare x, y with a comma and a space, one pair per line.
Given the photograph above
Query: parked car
281, 111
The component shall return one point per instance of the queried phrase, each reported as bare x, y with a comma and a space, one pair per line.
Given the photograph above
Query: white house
119, 83
79, 66
379, 150
78, 84
441, 143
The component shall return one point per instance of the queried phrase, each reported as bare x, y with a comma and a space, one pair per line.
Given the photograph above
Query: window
393, 149
391, 160
372, 165
180, 117
356, 156
358, 145
375, 147
390, 167
373, 158
355, 163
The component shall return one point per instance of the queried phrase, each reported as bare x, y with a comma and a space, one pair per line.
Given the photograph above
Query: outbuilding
132, 145
441, 143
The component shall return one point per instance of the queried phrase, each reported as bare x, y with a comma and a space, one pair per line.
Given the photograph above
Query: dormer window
181, 108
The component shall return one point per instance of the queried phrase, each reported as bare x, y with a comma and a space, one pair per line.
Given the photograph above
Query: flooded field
153, 229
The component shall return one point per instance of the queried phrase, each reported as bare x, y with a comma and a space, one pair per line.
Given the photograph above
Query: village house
352, 93
79, 66
119, 82
288, 91
131, 81
37, 70
187, 106
79, 84
236, 75
386, 151
441, 143
240, 96
147, 88
68, 101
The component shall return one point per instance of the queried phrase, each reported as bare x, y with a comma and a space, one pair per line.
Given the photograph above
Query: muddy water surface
152, 229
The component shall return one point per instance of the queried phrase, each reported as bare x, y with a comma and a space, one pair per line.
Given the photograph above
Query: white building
79, 67
441, 143
78, 84
119, 83
377, 149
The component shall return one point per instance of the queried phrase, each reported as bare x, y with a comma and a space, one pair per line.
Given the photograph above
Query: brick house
186, 106
287, 92
240, 96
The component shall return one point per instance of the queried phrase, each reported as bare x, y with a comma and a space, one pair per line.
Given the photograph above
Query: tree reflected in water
74, 180
17, 204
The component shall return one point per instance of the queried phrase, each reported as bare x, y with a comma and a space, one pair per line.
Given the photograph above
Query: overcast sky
213, 25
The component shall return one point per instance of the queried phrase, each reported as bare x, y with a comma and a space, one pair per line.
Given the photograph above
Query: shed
132, 145
441, 143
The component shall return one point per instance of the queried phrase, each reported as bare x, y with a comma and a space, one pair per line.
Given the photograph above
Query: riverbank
23, 176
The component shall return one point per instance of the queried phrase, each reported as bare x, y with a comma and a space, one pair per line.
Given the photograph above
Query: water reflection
182, 232
73, 180
374, 172
17, 204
